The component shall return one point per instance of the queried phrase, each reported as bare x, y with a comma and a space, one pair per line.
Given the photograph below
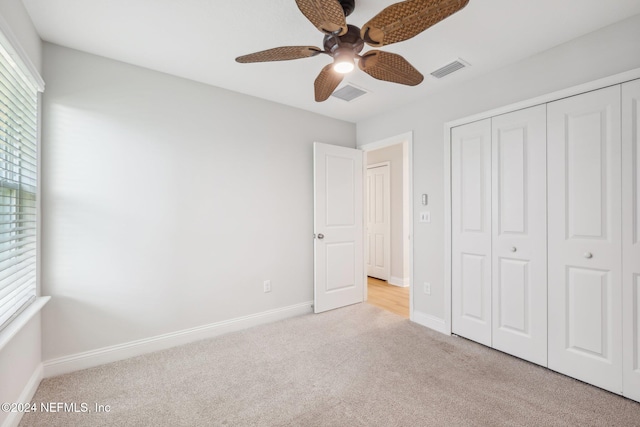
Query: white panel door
471, 231
519, 227
378, 251
585, 299
338, 227
631, 238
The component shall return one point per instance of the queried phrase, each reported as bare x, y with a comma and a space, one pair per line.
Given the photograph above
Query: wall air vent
452, 67
349, 93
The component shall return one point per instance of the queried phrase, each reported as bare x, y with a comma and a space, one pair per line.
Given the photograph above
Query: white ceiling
199, 40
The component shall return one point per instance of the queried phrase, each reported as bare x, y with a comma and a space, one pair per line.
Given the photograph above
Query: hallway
388, 297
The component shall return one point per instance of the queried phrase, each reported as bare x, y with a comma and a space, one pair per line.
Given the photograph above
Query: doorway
388, 226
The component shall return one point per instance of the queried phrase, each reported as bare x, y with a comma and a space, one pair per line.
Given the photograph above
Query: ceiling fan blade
390, 67
326, 82
326, 15
404, 20
284, 53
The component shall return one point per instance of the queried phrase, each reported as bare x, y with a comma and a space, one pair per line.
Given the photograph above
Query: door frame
406, 140
448, 126
387, 212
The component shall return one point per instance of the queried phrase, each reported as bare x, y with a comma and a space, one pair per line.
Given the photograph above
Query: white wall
608, 51
20, 358
20, 368
394, 155
166, 202
14, 14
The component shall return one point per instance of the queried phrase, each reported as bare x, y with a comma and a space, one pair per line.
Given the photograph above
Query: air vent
349, 93
452, 67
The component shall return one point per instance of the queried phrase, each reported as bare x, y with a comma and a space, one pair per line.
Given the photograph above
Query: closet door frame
631, 239
554, 96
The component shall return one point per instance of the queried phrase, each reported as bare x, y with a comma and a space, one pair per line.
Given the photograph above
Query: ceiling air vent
349, 93
452, 67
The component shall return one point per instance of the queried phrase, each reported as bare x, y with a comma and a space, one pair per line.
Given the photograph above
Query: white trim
447, 228
365, 278
12, 329
544, 99
399, 281
101, 356
406, 139
431, 322
387, 142
378, 165
407, 212
25, 62
13, 419
39, 198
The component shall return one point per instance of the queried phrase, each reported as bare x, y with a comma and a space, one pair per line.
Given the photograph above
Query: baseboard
27, 394
398, 281
101, 356
430, 322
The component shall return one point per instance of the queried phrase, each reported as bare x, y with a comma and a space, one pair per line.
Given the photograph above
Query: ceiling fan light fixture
343, 61
343, 67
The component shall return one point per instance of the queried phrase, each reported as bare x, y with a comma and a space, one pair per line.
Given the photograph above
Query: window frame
19, 60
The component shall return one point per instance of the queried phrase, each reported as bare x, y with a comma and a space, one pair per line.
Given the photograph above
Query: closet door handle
588, 255
513, 249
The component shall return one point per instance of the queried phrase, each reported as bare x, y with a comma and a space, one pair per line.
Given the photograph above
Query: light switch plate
425, 216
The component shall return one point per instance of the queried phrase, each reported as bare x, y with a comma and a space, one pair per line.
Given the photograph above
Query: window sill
19, 322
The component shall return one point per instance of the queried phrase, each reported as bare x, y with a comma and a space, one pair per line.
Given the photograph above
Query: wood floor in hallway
388, 297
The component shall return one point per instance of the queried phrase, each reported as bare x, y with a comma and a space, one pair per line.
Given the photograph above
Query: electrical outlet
425, 216
427, 288
267, 285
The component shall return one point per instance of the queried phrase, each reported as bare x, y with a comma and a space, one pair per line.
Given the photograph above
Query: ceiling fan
396, 23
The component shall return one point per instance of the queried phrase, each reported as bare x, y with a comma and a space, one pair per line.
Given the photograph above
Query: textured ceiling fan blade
326, 83
404, 20
326, 15
390, 67
284, 53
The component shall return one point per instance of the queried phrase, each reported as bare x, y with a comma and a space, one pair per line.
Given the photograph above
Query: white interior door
519, 249
471, 231
631, 237
585, 301
378, 252
338, 227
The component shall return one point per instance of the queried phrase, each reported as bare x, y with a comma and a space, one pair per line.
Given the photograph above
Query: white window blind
18, 187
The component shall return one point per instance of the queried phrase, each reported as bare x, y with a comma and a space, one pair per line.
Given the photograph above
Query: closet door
585, 300
519, 218
631, 237
471, 231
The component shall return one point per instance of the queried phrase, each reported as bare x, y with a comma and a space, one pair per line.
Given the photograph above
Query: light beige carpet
356, 366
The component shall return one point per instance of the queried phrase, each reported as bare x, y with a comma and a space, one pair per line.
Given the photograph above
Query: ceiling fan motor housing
351, 41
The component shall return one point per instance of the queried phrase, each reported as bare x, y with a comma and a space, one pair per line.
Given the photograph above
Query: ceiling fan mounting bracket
348, 6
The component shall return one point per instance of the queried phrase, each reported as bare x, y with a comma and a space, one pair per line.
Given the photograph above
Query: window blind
18, 188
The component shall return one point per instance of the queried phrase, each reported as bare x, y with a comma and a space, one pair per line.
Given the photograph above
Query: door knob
513, 249
320, 236
588, 255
